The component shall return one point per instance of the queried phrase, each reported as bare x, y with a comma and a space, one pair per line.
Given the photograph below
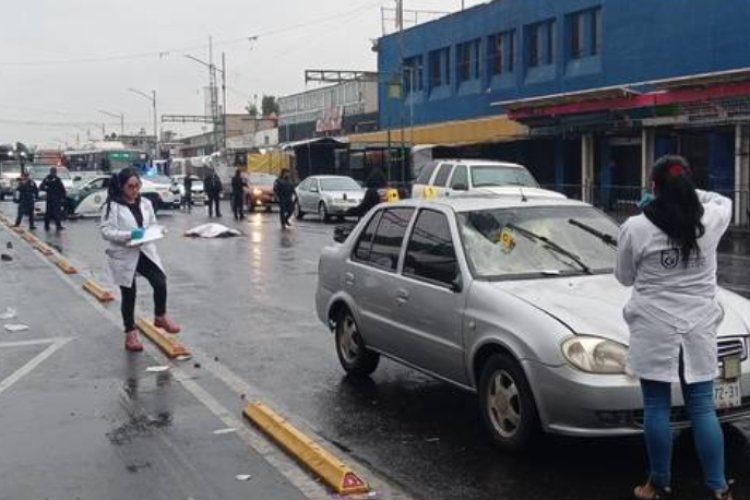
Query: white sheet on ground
212, 230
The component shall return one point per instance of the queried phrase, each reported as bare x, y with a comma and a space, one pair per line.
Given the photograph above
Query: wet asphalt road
249, 303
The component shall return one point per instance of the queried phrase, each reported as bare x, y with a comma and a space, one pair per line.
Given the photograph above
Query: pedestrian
284, 191
55, 190
187, 198
213, 188
375, 181
126, 215
239, 186
26, 194
668, 255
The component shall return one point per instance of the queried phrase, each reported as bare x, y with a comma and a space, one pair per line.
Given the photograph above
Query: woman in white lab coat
125, 217
668, 255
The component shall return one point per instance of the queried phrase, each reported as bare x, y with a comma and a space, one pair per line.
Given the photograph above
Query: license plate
731, 367
727, 394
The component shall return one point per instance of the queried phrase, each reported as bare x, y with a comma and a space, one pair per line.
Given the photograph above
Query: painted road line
323, 463
98, 291
163, 340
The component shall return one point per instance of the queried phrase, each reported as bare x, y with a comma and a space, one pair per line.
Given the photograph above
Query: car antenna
523, 196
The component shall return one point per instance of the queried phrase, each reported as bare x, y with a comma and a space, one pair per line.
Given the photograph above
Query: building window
541, 43
501, 50
585, 33
413, 74
468, 61
439, 70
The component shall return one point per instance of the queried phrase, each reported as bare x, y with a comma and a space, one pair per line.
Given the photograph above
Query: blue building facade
603, 87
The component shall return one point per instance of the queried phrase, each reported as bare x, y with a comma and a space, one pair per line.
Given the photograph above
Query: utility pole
224, 101
151, 98
219, 122
120, 115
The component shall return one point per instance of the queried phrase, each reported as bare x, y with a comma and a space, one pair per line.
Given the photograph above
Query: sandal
650, 491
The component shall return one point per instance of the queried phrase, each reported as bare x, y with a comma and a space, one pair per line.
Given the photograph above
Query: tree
252, 110
269, 105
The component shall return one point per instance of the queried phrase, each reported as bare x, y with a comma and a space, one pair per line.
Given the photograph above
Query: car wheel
323, 212
356, 359
507, 403
298, 213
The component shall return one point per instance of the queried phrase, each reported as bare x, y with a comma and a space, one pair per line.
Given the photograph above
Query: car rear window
387, 239
443, 173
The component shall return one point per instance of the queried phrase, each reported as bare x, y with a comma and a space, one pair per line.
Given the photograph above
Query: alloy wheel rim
349, 340
504, 404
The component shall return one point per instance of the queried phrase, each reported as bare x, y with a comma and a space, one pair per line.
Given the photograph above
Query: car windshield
159, 179
339, 184
496, 175
10, 168
262, 179
538, 241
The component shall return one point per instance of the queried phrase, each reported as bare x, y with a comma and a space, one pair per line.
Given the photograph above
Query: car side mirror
460, 187
457, 284
341, 233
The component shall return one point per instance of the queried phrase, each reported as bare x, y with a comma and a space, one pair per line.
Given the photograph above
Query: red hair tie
676, 169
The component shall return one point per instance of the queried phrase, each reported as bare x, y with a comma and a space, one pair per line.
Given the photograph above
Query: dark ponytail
676, 209
115, 188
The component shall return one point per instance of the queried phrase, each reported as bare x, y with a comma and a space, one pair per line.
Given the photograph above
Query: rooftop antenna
523, 196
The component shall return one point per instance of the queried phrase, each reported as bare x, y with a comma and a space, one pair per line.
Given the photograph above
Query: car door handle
402, 297
348, 278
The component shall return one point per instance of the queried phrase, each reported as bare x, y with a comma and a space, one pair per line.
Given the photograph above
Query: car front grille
734, 346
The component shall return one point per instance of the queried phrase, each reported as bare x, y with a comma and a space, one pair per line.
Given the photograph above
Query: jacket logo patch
670, 258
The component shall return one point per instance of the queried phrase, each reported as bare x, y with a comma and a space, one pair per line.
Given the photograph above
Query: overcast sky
64, 61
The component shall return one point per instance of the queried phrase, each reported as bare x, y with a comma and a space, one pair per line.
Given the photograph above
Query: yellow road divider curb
30, 238
334, 472
66, 266
19, 230
163, 340
98, 291
44, 249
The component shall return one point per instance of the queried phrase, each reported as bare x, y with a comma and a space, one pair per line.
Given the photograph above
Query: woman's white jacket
116, 228
673, 307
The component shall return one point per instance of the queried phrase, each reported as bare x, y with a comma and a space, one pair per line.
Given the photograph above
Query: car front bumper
606, 405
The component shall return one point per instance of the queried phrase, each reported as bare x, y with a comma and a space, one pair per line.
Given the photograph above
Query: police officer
187, 198
239, 185
284, 191
213, 188
55, 198
26, 194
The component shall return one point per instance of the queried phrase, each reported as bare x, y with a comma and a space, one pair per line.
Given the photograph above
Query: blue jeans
707, 433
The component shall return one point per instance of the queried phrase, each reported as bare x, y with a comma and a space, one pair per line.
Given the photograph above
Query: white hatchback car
452, 176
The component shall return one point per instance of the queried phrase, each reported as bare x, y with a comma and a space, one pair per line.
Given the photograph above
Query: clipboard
152, 233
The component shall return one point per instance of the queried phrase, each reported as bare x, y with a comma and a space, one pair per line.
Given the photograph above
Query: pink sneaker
167, 324
132, 343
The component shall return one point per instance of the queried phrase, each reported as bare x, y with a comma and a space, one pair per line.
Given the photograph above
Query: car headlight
595, 354
257, 192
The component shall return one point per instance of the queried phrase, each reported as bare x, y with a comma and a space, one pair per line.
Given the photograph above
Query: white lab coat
122, 259
672, 307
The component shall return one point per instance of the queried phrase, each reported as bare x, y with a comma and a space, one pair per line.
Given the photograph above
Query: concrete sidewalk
80, 418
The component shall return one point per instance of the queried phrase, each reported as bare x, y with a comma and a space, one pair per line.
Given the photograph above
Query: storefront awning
453, 133
315, 140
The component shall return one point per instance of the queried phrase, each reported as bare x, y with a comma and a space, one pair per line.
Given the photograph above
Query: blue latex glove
137, 234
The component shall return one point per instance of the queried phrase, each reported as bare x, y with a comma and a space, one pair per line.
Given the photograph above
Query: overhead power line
161, 54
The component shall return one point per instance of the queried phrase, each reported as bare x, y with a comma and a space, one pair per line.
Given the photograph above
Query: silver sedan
513, 300
327, 195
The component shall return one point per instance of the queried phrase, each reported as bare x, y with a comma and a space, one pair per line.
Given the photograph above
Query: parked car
515, 301
196, 189
87, 197
260, 187
327, 195
10, 171
161, 190
451, 176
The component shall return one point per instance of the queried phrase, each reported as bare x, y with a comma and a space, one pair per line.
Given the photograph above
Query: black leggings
158, 281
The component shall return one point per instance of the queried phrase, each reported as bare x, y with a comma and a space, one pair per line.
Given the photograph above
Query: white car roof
480, 163
470, 202
330, 177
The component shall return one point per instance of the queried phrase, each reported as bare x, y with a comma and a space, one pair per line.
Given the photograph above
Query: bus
102, 158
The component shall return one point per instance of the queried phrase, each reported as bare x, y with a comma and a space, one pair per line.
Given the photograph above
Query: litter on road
157, 369
226, 430
243, 477
212, 230
16, 327
9, 313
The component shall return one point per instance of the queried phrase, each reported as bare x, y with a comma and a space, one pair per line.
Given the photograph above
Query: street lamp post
120, 115
151, 98
211, 69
